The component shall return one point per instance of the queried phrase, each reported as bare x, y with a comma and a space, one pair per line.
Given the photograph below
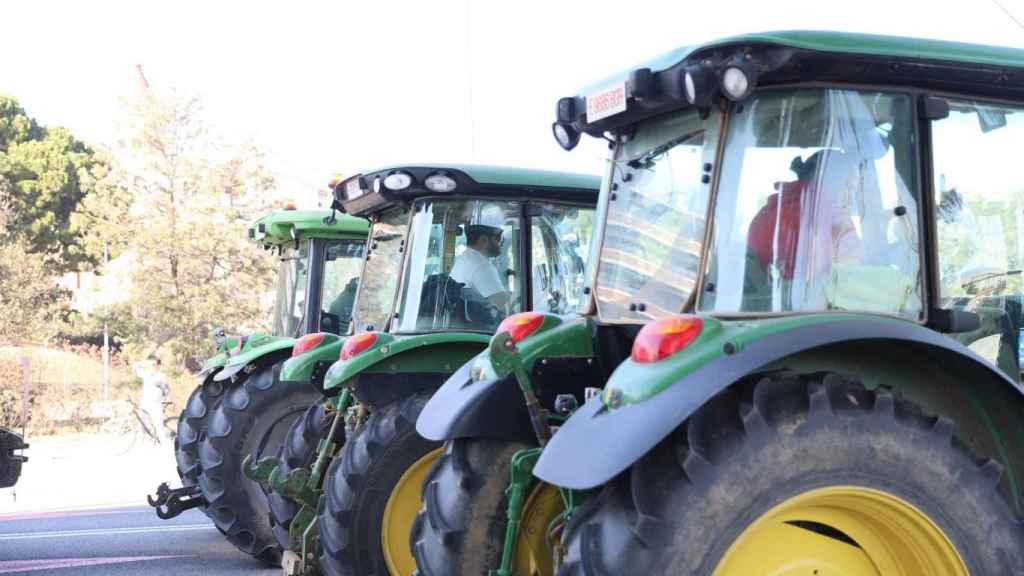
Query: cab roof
850, 43
368, 192
276, 228
494, 175
802, 56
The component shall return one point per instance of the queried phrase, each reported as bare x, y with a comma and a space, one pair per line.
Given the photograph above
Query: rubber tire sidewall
299, 450
192, 428
257, 405
461, 526
359, 483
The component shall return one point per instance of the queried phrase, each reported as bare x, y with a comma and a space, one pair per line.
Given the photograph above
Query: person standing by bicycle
154, 392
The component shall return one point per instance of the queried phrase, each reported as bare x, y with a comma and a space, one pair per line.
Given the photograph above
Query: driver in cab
475, 269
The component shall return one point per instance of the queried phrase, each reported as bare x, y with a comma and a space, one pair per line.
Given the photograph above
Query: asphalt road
118, 541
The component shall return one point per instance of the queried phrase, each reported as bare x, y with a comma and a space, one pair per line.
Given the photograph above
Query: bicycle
137, 423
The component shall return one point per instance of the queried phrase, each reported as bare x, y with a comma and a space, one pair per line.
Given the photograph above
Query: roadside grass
65, 392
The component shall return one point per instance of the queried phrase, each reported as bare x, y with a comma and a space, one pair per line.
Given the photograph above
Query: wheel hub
400, 511
842, 531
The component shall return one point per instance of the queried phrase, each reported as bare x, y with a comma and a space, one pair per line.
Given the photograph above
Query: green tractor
453, 251
241, 406
807, 299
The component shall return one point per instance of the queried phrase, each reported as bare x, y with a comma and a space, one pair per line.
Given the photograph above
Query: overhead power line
1009, 14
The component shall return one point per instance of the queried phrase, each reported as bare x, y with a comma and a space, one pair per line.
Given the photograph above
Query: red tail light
307, 342
521, 325
355, 345
663, 338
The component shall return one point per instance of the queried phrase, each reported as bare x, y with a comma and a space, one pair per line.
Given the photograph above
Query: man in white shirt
154, 391
475, 269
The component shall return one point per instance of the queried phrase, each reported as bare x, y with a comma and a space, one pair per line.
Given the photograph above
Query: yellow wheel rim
399, 513
842, 531
532, 553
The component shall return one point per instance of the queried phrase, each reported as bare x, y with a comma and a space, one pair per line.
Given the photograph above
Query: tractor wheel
251, 420
461, 527
372, 493
299, 450
192, 428
801, 475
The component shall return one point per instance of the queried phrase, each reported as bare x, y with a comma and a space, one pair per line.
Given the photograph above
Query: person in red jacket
807, 224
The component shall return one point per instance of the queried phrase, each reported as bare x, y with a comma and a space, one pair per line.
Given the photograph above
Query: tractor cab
459, 248
318, 273
755, 195
320, 257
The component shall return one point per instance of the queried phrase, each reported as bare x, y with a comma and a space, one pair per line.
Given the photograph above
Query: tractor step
170, 503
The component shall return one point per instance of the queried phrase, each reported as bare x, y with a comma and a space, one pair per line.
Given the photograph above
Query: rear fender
312, 365
643, 403
237, 362
483, 400
396, 366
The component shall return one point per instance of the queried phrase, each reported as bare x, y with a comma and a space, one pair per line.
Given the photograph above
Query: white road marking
105, 532
7, 567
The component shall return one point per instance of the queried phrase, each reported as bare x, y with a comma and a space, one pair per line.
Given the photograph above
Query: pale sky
347, 86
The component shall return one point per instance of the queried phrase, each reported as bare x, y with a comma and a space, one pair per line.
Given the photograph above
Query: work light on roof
566, 136
738, 80
397, 181
440, 182
699, 84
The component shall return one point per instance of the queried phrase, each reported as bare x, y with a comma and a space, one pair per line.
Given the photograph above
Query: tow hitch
170, 503
10, 463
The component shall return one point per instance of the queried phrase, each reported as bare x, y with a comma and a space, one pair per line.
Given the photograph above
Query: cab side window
979, 200
560, 238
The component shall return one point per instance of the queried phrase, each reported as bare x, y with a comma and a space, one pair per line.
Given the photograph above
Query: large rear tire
371, 494
460, 528
297, 451
252, 420
192, 429
809, 471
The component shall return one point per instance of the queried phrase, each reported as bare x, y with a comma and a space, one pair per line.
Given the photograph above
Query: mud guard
596, 444
228, 371
238, 362
462, 408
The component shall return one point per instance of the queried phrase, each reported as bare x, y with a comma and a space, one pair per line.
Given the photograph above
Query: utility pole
106, 335
143, 83
469, 79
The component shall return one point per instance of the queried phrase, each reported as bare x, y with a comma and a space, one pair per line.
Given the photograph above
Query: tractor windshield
816, 208
654, 225
290, 299
463, 270
380, 273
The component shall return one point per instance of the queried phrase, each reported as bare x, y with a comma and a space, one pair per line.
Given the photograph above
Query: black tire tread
192, 428
616, 531
460, 528
348, 479
244, 517
297, 451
